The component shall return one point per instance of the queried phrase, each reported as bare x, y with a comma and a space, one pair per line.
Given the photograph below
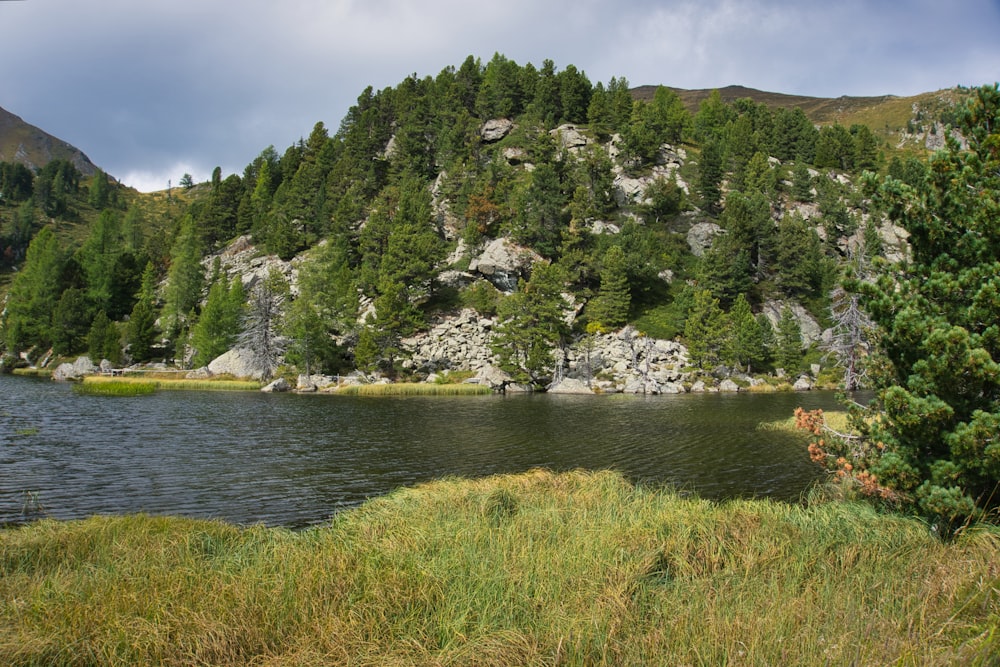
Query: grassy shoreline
167, 382
538, 568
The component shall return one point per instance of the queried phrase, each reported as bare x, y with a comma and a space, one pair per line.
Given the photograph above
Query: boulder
74, 371
502, 262
569, 386
278, 386
496, 129
804, 383
240, 363
700, 236
199, 374
728, 385
569, 137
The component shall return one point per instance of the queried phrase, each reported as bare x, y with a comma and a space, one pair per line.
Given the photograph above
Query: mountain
34, 148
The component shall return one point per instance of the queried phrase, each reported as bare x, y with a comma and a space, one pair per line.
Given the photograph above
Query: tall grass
414, 389
115, 387
539, 568
169, 382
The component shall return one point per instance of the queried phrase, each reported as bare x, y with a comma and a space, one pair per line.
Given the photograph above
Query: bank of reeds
532, 569
414, 389
115, 387
166, 382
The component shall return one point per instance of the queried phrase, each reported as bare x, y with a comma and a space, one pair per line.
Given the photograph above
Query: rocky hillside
23, 143
502, 217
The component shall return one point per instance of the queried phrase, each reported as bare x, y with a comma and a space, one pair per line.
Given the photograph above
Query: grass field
532, 569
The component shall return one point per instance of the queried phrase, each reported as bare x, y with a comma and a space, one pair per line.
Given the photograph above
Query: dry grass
539, 568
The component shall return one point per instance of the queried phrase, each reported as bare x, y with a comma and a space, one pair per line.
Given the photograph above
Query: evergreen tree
185, 276
610, 307
140, 334
218, 327
931, 432
103, 341
71, 320
705, 330
710, 173
746, 348
532, 325
788, 352
34, 293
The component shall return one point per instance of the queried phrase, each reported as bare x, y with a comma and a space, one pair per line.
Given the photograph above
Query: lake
295, 460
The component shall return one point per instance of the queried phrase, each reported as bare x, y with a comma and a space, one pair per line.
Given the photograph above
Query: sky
153, 89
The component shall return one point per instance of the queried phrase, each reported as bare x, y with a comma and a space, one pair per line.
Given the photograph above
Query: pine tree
788, 352
532, 325
610, 307
705, 331
185, 277
932, 430
103, 341
746, 348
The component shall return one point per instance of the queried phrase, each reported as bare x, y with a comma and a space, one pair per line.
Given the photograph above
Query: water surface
295, 460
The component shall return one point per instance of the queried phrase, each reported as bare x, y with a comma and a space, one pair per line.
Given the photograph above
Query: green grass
115, 387
414, 389
532, 569
92, 383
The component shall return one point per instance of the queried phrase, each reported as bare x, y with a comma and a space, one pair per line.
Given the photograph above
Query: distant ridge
35, 148
818, 109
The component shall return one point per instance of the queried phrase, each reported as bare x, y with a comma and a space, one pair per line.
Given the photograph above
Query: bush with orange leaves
842, 454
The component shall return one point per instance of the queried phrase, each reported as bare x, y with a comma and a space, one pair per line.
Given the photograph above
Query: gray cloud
154, 89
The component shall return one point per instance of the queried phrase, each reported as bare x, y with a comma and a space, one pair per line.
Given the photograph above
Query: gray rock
728, 386
503, 262
279, 385
804, 383
496, 129
700, 237
74, 371
570, 386
240, 363
569, 137
199, 374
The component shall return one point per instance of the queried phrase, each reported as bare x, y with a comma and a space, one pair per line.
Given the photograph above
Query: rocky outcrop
569, 137
241, 258
570, 386
811, 331
74, 371
461, 342
239, 363
496, 129
503, 262
700, 237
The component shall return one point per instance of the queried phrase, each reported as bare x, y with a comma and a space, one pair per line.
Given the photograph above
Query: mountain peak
24, 143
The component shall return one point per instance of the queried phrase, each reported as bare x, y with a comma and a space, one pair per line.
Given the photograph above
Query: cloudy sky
151, 89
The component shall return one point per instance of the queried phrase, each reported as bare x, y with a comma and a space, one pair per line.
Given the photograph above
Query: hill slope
22, 142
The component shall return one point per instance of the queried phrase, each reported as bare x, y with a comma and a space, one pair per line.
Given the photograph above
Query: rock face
74, 371
240, 363
700, 236
811, 331
502, 262
570, 386
461, 342
496, 129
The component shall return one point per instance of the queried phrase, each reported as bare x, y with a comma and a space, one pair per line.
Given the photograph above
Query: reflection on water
297, 459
